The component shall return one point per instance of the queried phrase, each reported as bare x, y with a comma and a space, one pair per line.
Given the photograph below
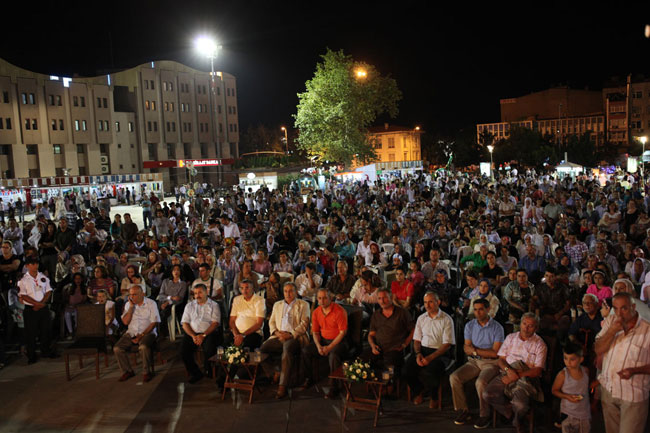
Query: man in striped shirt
625, 377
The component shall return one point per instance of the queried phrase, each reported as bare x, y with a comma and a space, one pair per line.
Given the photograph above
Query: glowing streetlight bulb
361, 73
490, 148
206, 46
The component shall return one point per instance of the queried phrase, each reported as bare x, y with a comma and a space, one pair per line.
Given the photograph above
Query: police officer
35, 292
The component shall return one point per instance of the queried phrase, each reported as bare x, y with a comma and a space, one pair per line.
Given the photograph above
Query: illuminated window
32, 99
57, 149
76, 125
53, 125
84, 125
130, 126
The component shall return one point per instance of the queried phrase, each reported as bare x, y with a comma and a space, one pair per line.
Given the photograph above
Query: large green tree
340, 102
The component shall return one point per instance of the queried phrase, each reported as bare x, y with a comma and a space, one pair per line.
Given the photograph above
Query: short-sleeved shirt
391, 331
200, 317
143, 316
35, 288
485, 336
331, 324
433, 332
627, 350
247, 312
402, 291
532, 351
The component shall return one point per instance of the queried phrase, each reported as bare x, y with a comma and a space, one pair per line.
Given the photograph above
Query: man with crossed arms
483, 339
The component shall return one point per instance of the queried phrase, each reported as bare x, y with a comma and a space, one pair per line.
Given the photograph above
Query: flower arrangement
234, 355
358, 371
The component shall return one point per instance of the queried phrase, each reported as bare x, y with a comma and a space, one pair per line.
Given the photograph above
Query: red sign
183, 162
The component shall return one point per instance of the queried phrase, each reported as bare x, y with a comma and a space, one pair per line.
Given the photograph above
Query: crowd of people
534, 286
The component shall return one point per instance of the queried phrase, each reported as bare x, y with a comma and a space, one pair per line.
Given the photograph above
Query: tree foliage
335, 111
261, 137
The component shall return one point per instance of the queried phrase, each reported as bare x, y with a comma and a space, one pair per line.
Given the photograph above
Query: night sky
452, 63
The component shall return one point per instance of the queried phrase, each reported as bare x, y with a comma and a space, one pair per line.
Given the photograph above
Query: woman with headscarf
637, 270
600, 287
485, 292
528, 211
375, 257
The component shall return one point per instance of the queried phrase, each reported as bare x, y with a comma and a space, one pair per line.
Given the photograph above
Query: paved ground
38, 398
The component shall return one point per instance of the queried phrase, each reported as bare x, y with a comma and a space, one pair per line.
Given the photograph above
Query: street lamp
643, 140
286, 140
206, 46
361, 73
491, 149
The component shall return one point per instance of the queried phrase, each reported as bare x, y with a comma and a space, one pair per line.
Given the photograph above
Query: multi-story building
396, 143
555, 103
114, 124
627, 106
559, 112
560, 129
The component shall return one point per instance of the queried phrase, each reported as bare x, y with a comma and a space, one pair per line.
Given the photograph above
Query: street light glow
361, 73
643, 139
206, 46
490, 148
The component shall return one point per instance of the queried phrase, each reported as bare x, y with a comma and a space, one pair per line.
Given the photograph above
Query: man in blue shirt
483, 338
534, 264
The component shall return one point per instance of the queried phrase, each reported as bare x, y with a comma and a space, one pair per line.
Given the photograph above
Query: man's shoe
195, 379
147, 377
418, 399
332, 393
462, 417
482, 422
282, 392
126, 376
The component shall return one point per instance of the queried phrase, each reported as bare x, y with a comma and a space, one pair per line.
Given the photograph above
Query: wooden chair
90, 337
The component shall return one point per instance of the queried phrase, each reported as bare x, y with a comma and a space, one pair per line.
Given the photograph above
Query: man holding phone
141, 316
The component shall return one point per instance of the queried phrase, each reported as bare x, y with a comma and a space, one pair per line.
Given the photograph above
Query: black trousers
38, 323
188, 348
425, 378
311, 358
252, 341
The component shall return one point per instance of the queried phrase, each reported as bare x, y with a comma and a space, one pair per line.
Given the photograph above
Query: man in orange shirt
329, 326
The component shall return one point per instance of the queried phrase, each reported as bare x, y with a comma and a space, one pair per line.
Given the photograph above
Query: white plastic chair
388, 248
173, 326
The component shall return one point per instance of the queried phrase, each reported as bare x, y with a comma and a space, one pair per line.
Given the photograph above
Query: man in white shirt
247, 317
34, 293
288, 327
624, 340
308, 282
200, 321
141, 316
15, 235
432, 339
230, 229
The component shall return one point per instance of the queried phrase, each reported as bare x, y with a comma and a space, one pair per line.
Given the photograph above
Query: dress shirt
484, 336
201, 316
286, 313
35, 288
532, 351
433, 332
143, 316
627, 350
231, 231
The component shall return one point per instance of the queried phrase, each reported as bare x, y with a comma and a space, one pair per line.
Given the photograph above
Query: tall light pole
491, 149
207, 47
643, 140
286, 140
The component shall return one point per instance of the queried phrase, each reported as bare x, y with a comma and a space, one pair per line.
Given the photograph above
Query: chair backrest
389, 277
285, 277
90, 321
388, 248
464, 251
355, 328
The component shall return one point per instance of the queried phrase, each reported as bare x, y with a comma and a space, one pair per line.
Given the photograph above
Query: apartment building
112, 124
396, 143
627, 106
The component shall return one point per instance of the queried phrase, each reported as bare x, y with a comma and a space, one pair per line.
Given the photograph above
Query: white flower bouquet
358, 371
234, 355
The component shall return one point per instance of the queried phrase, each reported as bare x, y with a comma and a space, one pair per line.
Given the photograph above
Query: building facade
558, 102
111, 124
627, 106
396, 143
560, 129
